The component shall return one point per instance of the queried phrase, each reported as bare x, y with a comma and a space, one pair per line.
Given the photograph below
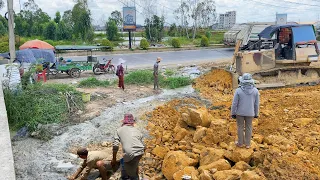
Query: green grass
93, 82
217, 37
140, 77
175, 82
169, 72
39, 103
145, 77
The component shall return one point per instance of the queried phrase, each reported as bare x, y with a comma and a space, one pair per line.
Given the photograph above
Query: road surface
171, 57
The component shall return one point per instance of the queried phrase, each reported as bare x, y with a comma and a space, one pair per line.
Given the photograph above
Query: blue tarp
270, 30
303, 34
32, 55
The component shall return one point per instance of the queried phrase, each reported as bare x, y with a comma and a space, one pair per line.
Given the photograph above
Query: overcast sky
247, 10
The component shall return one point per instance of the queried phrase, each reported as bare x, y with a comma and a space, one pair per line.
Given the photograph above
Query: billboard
129, 18
281, 19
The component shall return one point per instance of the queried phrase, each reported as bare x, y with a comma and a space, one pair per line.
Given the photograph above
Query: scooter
107, 67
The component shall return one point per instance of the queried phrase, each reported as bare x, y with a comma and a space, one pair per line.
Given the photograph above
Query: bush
175, 82
93, 82
144, 44
175, 43
4, 47
39, 104
140, 77
169, 72
318, 38
106, 42
208, 34
204, 41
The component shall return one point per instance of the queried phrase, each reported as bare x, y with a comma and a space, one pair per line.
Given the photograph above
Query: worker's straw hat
159, 59
128, 119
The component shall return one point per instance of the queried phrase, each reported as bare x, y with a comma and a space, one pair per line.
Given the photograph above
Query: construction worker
245, 107
94, 160
120, 74
156, 73
132, 145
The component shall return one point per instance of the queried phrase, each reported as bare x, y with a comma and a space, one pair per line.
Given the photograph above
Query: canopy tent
36, 44
269, 31
32, 55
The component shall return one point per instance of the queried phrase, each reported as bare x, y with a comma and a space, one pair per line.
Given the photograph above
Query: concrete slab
6, 157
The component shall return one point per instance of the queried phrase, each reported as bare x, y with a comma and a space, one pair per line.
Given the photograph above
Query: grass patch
169, 72
140, 77
175, 82
93, 82
39, 103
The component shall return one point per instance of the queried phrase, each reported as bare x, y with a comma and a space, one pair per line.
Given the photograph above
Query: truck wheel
75, 72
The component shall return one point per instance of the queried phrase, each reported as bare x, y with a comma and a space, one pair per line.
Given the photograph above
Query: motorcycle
106, 68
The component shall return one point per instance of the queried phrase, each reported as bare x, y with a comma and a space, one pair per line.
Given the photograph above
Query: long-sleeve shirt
246, 101
91, 162
131, 140
120, 69
155, 69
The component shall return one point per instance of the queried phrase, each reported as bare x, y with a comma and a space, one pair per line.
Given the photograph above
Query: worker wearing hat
133, 147
156, 73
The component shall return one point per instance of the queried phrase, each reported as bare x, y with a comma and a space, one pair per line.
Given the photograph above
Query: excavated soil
285, 143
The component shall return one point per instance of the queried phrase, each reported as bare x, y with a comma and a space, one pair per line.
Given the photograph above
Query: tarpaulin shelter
32, 55
36, 44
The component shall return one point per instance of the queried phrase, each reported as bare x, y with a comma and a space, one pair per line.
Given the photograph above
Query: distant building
227, 20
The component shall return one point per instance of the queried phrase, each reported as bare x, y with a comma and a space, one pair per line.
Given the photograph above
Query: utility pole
12, 48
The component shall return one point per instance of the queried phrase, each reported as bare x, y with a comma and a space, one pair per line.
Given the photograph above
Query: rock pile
189, 137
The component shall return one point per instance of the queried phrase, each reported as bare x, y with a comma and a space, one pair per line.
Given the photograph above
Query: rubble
201, 135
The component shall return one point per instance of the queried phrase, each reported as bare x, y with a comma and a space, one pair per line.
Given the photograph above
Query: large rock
220, 165
302, 122
175, 161
160, 151
198, 117
251, 175
218, 132
242, 166
181, 133
188, 170
199, 134
280, 140
205, 175
233, 128
237, 154
233, 174
210, 155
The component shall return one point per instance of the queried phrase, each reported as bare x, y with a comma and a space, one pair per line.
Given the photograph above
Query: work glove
234, 116
256, 116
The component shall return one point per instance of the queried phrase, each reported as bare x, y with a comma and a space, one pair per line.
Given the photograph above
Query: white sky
247, 10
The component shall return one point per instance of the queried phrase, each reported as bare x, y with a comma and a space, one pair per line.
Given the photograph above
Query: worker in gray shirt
133, 147
245, 107
156, 73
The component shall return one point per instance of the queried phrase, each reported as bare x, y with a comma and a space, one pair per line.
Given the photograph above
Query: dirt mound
286, 135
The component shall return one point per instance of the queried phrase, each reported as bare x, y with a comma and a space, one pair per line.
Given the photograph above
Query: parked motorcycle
107, 67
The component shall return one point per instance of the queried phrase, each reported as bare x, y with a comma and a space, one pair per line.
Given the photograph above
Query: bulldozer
290, 59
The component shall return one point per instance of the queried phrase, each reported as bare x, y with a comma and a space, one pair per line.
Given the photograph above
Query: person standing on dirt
156, 73
133, 147
245, 107
94, 160
120, 74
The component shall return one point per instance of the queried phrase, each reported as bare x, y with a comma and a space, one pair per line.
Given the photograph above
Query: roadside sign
281, 19
129, 18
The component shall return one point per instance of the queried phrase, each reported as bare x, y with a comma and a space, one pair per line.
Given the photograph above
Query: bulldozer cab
293, 44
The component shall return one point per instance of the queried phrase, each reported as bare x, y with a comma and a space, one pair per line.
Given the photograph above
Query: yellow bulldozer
290, 60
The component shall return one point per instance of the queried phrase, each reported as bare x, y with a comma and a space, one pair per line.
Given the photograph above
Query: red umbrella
36, 44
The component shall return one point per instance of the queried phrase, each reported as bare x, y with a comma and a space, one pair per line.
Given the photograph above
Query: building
227, 20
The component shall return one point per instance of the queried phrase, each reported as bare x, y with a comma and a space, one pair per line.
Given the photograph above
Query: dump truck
291, 60
230, 37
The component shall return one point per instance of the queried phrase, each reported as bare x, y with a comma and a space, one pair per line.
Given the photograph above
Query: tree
183, 15
63, 31
58, 17
148, 12
50, 31
81, 18
154, 28
117, 17
172, 30
112, 30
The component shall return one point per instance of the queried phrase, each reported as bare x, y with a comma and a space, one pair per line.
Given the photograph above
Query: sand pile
195, 138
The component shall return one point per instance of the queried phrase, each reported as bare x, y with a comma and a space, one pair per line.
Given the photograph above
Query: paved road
172, 57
